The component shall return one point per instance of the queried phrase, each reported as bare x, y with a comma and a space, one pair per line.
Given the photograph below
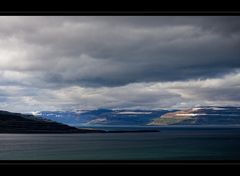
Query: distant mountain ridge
22, 123
205, 115
103, 117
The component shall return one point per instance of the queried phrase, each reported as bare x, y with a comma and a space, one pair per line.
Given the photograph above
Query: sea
169, 144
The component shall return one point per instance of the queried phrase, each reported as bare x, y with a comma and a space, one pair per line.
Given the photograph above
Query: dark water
168, 144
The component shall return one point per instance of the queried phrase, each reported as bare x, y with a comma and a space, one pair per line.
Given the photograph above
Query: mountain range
102, 117
205, 115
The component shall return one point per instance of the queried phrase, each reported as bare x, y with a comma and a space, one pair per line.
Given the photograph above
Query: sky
118, 62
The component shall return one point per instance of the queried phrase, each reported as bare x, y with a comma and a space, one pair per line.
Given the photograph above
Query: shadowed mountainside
102, 117
21, 123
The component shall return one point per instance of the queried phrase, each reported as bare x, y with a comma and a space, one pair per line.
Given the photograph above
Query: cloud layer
118, 62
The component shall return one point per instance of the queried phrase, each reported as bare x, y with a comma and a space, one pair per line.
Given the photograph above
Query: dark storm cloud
114, 51
49, 63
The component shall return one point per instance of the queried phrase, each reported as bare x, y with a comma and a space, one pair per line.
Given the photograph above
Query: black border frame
122, 13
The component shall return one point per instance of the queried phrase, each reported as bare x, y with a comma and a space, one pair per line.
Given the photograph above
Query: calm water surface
168, 144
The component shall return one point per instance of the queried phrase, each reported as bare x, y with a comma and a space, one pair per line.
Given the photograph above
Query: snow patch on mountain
132, 112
